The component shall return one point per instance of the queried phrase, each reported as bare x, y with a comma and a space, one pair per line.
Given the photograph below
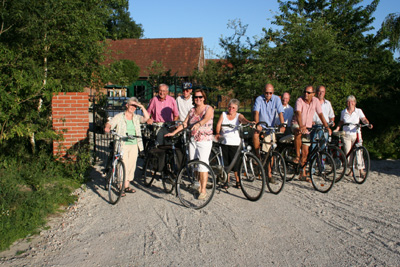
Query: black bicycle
251, 174
320, 163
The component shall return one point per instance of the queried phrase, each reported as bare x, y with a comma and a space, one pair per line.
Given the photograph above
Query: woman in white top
231, 136
351, 114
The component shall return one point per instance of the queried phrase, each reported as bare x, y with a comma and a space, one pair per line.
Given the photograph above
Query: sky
209, 18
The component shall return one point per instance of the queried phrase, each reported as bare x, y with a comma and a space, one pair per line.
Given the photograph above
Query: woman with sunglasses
200, 121
129, 123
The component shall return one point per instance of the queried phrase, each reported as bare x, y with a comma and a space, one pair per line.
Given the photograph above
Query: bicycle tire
289, 154
187, 185
340, 161
277, 181
360, 164
150, 170
322, 172
168, 178
252, 177
116, 184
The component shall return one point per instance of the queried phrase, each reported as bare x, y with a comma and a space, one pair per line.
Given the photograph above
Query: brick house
179, 55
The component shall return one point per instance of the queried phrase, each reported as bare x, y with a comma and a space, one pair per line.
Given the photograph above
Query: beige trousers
129, 157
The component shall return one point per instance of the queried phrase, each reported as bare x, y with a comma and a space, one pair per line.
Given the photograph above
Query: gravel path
351, 225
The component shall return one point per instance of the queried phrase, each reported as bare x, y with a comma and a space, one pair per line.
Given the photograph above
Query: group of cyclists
192, 110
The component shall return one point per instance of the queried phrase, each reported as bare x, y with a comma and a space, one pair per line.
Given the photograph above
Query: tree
119, 24
124, 72
390, 30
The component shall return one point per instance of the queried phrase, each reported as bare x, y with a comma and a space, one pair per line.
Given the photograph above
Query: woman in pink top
200, 121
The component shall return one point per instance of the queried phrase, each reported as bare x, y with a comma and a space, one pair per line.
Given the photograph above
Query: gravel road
352, 225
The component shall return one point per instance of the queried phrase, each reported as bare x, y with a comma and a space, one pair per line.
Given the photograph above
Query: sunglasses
200, 97
307, 92
132, 105
268, 93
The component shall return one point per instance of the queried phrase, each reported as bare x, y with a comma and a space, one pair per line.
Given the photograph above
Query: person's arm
218, 127
340, 124
322, 118
175, 110
146, 114
243, 120
331, 115
179, 128
365, 121
282, 120
150, 110
302, 128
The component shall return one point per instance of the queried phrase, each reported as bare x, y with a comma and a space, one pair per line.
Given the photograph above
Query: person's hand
282, 129
196, 126
169, 134
303, 130
370, 126
150, 121
329, 131
337, 129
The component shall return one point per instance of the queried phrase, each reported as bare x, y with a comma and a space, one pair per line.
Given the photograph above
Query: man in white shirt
184, 101
326, 106
287, 112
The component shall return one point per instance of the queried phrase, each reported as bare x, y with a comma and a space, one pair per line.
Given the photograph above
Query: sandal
296, 160
225, 186
130, 190
238, 185
304, 179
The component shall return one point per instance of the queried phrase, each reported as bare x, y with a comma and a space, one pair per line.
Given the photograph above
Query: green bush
33, 187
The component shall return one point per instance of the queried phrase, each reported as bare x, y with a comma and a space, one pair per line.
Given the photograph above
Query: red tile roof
180, 55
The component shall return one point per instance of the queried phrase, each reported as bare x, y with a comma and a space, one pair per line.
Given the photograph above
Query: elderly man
265, 108
305, 108
287, 112
162, 108
185, 102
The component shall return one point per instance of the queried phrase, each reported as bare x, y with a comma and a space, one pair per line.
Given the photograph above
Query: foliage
119, 24
31, 187
390, 30
124, 72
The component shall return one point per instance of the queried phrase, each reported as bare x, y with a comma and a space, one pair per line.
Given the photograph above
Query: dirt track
351, 225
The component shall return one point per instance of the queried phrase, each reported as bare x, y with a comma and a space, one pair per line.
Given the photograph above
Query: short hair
132, 99
202, 92
351, 98
285, 93
313, 89
234, 101
163, 84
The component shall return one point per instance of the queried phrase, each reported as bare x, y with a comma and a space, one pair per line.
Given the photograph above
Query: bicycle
360, 160
272, 160
185, 179
251, 175
320, 164
334, 148
165, 160
115, 168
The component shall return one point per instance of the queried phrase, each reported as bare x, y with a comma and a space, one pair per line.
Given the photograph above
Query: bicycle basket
246, 132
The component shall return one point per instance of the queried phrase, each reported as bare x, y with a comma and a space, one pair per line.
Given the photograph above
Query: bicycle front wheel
252, 177
190, 178
150, 170
117, 182
275, 169
322, 172
168, 181
340, 161
360, 164
289, 155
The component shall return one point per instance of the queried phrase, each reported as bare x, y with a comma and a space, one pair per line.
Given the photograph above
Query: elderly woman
231, 138
351, 114
200, 121
129, 123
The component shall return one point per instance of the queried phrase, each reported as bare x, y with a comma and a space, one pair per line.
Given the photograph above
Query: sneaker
202, 196
271, 180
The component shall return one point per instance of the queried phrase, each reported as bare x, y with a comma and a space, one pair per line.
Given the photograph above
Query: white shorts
201, 151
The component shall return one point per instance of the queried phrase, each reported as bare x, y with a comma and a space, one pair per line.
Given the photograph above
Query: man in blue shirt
265, 108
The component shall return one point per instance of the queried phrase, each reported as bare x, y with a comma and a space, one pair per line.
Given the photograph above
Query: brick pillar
70, 115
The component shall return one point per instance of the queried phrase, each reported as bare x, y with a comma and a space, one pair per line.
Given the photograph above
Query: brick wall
70, 116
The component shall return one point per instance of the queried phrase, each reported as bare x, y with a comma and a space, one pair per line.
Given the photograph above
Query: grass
31, 189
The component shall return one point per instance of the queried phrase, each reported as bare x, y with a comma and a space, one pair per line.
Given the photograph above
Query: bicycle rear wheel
117, 182
168, 181
289, 154
276, 164
252, 177
360, 164
322, 172
150, 170
188, 184
339, 158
